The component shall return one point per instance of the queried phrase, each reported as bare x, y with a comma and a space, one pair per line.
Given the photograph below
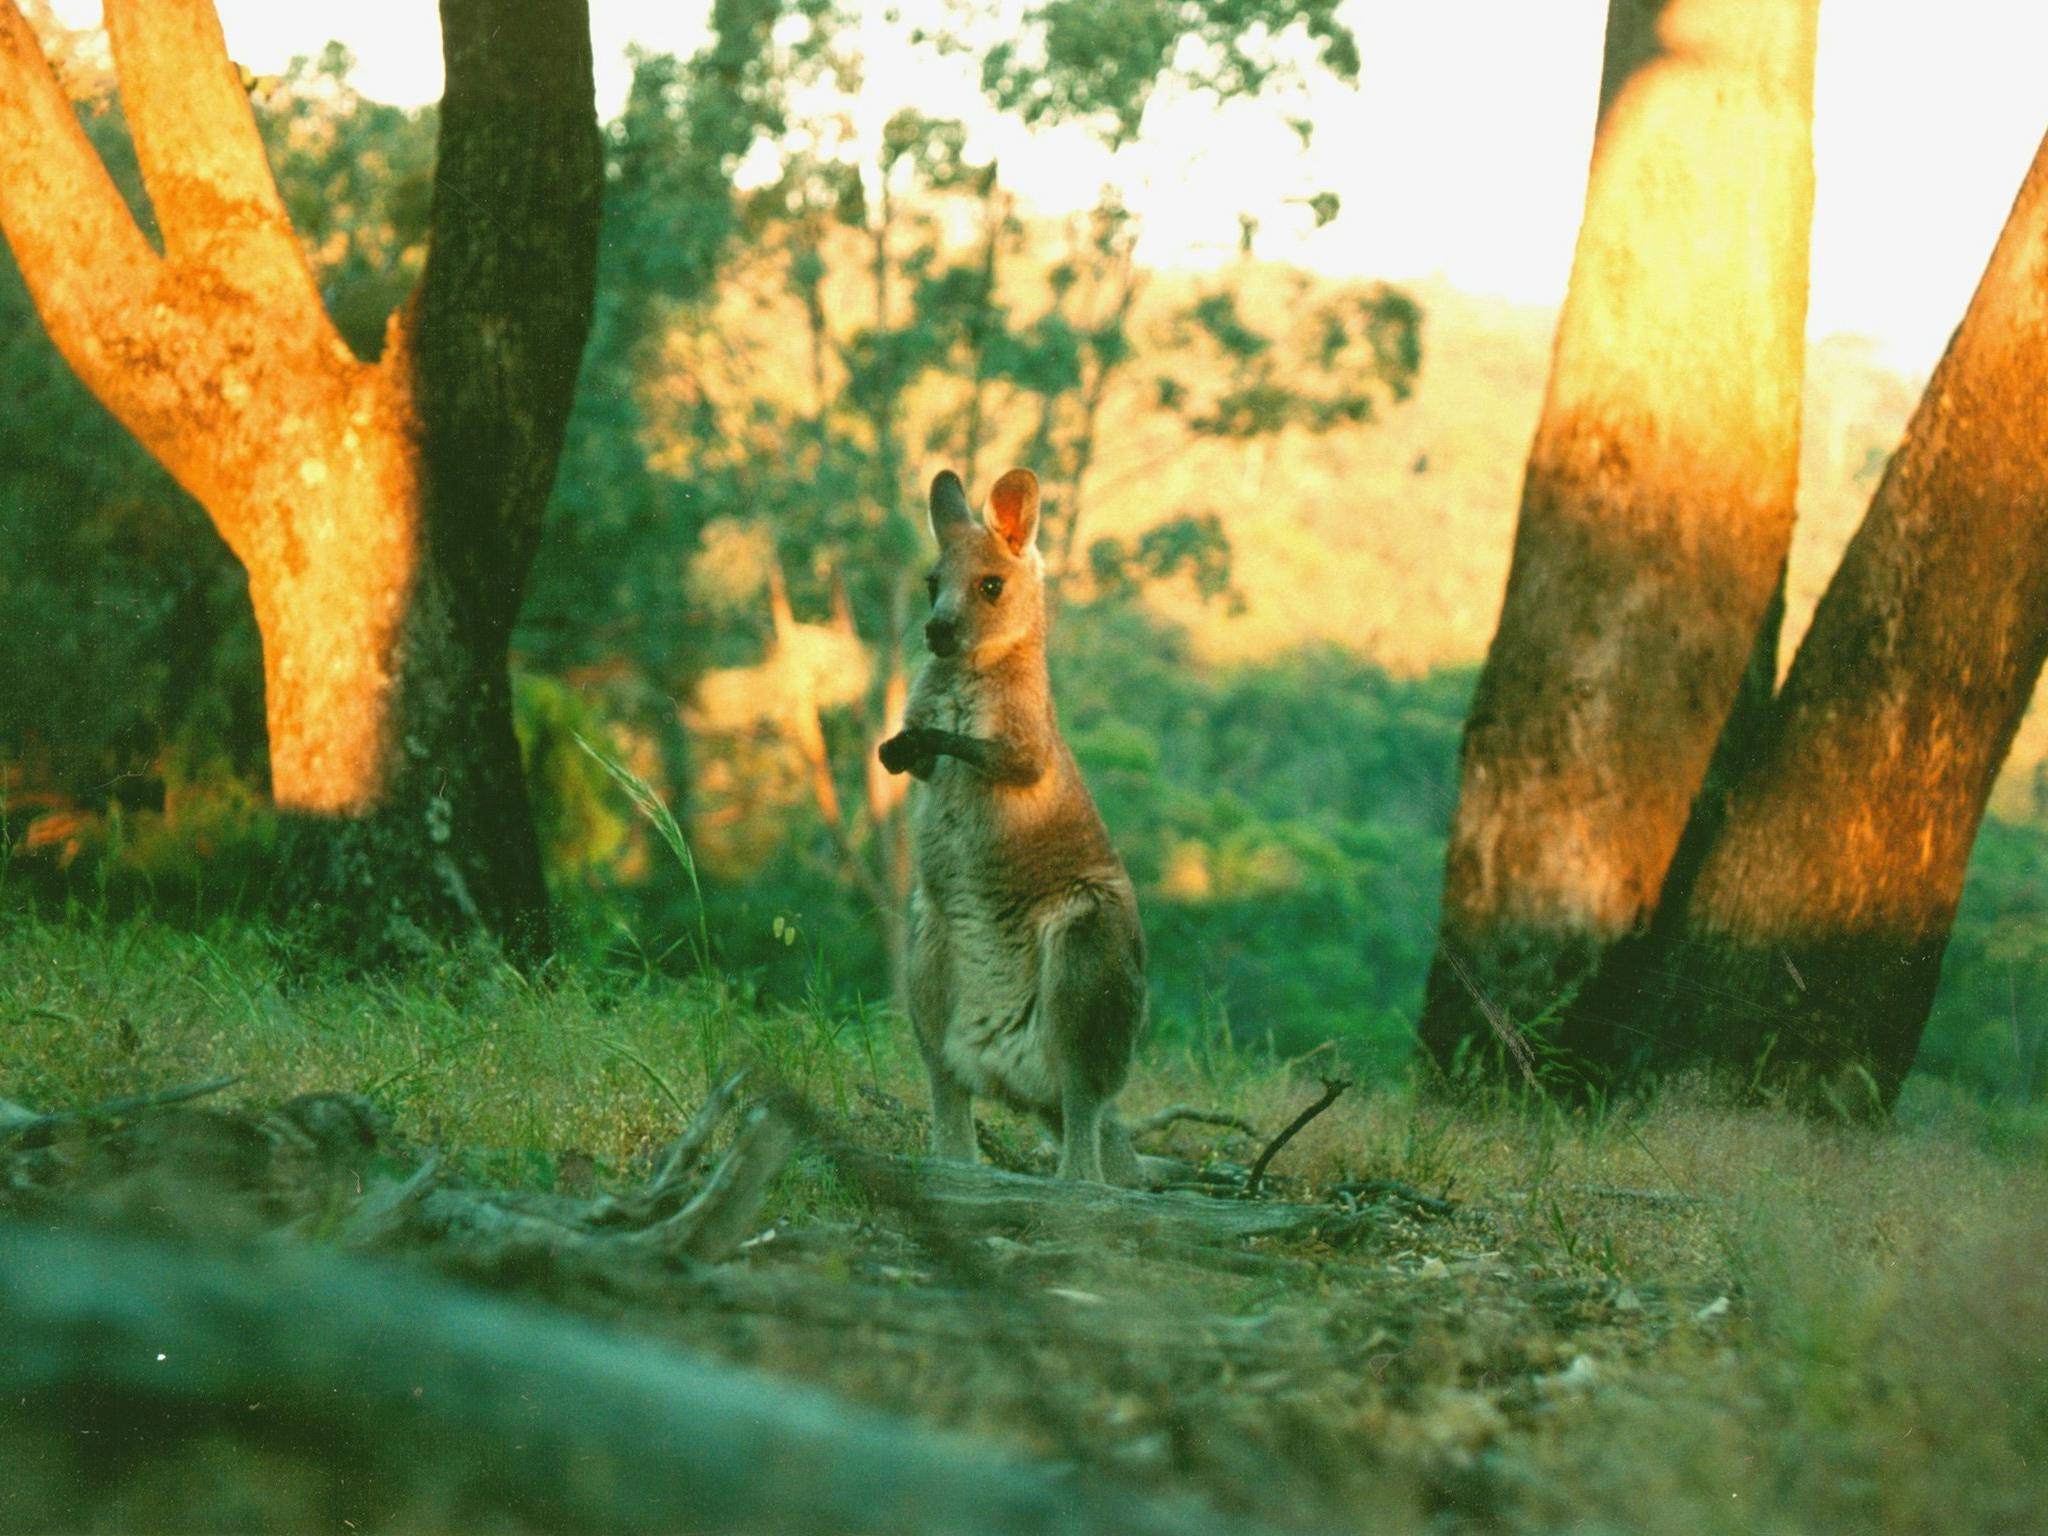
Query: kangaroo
1027, 969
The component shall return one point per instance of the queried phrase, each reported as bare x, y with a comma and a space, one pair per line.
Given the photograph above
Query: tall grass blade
649, 805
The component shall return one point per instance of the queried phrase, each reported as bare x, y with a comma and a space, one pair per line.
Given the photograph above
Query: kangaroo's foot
1119, 1159
1124, 1165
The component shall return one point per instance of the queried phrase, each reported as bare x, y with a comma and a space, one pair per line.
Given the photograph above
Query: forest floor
1668, 1315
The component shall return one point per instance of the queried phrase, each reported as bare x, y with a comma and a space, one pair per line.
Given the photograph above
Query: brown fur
1027, 959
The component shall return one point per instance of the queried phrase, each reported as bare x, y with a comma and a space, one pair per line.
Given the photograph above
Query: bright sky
1463, 154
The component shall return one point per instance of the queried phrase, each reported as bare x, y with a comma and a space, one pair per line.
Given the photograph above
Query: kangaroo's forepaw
905, 751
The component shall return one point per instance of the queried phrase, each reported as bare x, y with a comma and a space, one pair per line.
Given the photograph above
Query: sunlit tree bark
386, 513
1656, 512
1814, 933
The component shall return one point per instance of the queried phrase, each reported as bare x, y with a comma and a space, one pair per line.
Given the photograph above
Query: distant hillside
1392, 540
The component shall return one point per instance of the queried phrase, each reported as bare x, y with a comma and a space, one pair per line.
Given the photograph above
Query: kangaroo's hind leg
1092, 993
952, 1115
930, 1009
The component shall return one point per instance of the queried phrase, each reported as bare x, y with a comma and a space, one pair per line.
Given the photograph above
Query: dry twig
1333, 1090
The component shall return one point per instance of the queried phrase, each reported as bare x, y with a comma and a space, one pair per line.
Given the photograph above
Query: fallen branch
1174, 1113
721, 1216
1333, 1090
383, 1214
19, 1124
487, 1229
1357, 1192
972, 1199
668, 1190
377, 1396
312, 1157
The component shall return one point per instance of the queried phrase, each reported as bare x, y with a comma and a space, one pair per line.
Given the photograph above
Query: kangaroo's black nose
942, 636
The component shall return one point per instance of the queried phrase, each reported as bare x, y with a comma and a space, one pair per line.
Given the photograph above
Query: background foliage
1278, 510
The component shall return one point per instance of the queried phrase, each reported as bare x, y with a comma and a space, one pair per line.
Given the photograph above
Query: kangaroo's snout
942, 636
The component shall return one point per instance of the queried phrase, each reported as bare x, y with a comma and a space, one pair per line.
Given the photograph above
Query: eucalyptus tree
386, 511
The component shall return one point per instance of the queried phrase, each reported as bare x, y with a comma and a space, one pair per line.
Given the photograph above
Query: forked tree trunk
1816, 927
1656, 512
1609, 1031
386, 513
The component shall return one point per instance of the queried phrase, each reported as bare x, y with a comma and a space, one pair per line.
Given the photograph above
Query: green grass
1675, 1314
468, 1053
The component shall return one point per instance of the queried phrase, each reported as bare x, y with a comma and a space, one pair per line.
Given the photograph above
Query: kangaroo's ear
950, 512
1013, 510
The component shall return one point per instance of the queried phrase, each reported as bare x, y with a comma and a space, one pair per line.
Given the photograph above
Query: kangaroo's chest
968, 707
954, 812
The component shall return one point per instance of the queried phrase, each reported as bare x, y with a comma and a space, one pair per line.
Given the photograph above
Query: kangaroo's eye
991, 588
931, 586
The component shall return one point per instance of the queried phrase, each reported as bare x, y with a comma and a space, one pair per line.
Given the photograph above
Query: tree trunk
386, 513
1656, 512
1816, 927
1606, 1029
888, 811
